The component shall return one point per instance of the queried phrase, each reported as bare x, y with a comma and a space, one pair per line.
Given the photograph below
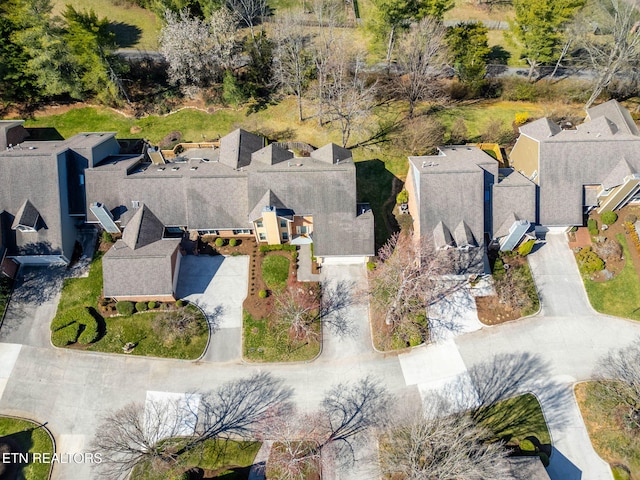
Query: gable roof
237, 147
26, 216
540, 129
617, 174
442, 236
464, 236
331, 153
505, 227
143, 229
270, 155
599, 126
269, 199
617, 114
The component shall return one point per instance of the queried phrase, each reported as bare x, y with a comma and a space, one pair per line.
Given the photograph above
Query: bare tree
421, 57
293, 59
159, 432
619, 375
302, 308
617, 52
436, 444
406, 279
348, 99
197, 52
250, 12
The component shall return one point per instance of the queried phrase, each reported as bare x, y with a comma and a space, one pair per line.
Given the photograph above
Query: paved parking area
218, 285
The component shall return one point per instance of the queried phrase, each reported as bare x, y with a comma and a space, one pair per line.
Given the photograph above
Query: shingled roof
143, 229
27, 216
237, 147
617, 174
617, 114
540, 129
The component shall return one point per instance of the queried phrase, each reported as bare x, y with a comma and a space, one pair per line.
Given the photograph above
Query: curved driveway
70, 389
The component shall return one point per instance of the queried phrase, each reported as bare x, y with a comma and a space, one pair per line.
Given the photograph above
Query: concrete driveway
218, 285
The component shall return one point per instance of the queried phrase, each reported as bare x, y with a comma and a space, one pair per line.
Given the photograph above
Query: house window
283, 223
263, 237
302, 230
259, 224
242, 231
285, 236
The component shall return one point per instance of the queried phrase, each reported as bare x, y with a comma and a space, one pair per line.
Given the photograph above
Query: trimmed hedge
90, 332
262, 294
124, 308
609, 218
233, 242
141, 306
152, 305
276, 248
219, 242
66, 335
592, 225
77, 315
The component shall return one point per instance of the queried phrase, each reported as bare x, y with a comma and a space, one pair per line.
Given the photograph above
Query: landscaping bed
6, 285
23, 436
213, 459
266, 338
610, 436
86, 321
516, 294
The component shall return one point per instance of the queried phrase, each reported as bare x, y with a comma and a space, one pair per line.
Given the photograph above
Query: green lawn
606, 426
137, 328
232, 459
133, 26
275, 271
619, 296
264, 342
520, 424
29, 438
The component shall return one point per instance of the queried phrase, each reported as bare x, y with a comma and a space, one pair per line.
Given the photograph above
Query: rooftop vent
173, 169
193, 168
430, 164
161, 169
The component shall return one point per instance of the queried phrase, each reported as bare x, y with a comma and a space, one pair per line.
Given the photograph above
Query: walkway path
71, 389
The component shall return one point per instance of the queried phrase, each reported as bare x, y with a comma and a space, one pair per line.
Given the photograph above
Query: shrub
141, 306
219, 242
521, 118
90, 332
544, 458
152, 305
527, 446
262, 294
526, 247
588, 261
233, 242
73, 315
402, 197
631, 218
281, 247
124, 308
179, 303
107, 237
592, 225
609, 218
66, 335
371, 266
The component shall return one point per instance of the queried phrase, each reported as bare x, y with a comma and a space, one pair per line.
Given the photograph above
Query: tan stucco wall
618, 194
524, 156
272, 227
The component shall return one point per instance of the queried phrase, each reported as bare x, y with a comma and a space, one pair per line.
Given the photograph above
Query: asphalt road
71, 390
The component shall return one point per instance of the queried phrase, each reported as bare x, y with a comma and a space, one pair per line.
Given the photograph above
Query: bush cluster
525, 248
219, 242
275, 248
233, 242
521, 118
66, 335
124, 308
588, 261
107, 237
402, 197
592, 226
634, 235
141, 306
609, 218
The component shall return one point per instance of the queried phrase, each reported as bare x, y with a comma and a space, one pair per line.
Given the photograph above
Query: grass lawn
264, 342
275, 271
137, 328
516, 420
609, 436
619, 296
28, 438
230, 460
133, 26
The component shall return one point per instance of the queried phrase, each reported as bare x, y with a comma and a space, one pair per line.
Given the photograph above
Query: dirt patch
492, 312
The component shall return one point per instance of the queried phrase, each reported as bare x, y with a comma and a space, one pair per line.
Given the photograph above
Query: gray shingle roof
331, 153
143, 229
268, 200
540, 129
270, 155
617, 114
514, 197
505, 226
237, 147
26, 216
617, 174
442, 236
464, 236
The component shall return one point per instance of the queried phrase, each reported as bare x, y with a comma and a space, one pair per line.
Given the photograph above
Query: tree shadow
498, 55
126, 35
15, 443
374, 185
